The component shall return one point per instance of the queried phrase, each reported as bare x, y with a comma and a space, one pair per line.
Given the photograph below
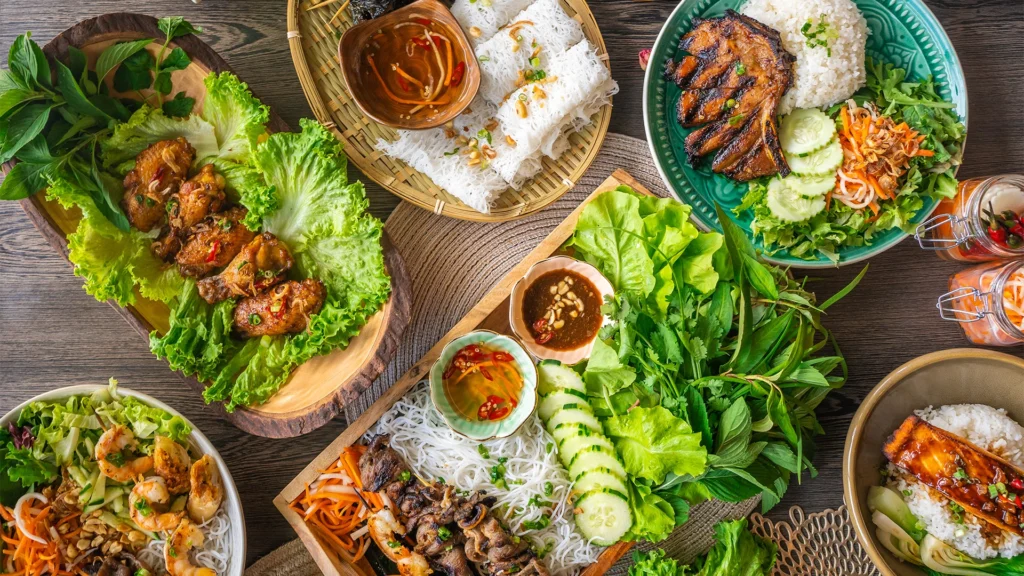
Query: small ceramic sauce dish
484, 385
412, 68
555, 309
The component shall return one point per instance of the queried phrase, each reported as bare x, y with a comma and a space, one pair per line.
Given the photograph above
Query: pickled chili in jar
983, 222
988, 302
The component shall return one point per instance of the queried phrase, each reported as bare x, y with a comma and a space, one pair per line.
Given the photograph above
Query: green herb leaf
78, 63
76, 99
135, 72
23, 181
24, 125
176, 26
162, 83
113, 56
176, 60
21, 60
11, 99
654, 442
180, 106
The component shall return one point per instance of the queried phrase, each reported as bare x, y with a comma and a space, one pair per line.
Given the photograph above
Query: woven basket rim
556, 178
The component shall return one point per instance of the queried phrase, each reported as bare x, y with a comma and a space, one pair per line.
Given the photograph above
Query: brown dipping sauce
562, 310
415, 66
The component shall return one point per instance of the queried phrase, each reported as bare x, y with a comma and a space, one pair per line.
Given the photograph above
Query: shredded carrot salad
876, 153
24, 554
332, 507
1013, 299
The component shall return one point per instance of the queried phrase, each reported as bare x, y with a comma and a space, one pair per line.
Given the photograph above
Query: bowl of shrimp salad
106, 480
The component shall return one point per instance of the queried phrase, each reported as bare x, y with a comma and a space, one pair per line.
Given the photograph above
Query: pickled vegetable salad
69, 496
864, 167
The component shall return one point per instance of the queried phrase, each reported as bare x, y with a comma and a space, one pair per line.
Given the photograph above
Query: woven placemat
818, 544
452, 264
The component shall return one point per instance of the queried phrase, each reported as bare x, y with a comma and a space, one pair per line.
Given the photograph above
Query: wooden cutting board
318, 389
490, 313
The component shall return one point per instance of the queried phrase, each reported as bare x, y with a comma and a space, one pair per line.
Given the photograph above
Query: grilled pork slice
983, 483
733, 79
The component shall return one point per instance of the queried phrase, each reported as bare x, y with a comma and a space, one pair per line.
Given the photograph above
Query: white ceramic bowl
515, 308
232, 503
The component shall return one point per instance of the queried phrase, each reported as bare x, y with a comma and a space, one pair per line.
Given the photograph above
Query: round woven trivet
818, 544
452, 264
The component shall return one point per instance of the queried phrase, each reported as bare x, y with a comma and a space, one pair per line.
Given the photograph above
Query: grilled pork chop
983, 483
732, 81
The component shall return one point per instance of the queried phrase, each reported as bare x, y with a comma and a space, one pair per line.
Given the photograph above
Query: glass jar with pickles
983, 222
988, 302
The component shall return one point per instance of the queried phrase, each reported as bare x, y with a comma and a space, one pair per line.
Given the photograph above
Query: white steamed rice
819, 79
984, 426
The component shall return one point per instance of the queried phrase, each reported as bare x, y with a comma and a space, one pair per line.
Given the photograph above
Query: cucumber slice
570, 447
805, 130
553, 375
570, 429
811, 186
600, 478
603, 516
573, 415
551, 402
592, 458
821, 163
789, 206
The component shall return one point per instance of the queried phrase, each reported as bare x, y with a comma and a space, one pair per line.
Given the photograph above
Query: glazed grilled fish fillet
983, 483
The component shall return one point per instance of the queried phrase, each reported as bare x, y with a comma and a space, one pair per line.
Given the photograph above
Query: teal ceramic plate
903, 32
475, 429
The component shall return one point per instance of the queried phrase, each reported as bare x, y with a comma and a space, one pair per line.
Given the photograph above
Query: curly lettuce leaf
150, 125
198, 341
112, 262
654, 519
238, 118
737, 552
654, 442
610, 235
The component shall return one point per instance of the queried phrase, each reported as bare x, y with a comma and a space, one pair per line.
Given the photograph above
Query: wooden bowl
958, 376
318, 389
232, 501
354, 68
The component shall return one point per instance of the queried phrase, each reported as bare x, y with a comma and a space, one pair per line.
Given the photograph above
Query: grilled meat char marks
476, 539
733, 79
960, 471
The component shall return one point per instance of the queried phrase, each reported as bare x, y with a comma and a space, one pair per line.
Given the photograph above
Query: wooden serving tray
319, 388
490, 313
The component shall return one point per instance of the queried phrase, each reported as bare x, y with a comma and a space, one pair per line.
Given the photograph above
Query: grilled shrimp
207, 493
386, 532
171, 462
112, 452
176, 551
145, 502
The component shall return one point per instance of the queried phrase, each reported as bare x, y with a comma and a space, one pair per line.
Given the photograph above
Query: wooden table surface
52, 334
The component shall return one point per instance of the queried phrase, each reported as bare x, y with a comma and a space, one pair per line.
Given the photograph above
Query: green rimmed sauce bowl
486, 429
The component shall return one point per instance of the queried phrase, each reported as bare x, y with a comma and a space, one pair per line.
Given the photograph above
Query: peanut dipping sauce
562, 310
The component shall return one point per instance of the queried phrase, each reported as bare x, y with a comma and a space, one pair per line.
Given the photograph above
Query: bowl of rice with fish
933, 468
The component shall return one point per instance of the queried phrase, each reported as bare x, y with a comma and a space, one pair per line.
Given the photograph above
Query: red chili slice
404, 84
1017, 484
423, 21
544, 338
484, 412
422, 43
540, 325
457, 73
499, 413
485, 373
213, 251
161, 171
500, 356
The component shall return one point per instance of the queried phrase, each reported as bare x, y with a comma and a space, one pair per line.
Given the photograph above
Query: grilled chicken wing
159, 171
284, 309
198, 197
732, 81
261, 264
212, 243
983, 483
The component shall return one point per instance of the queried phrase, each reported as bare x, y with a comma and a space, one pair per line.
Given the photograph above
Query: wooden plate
318, 389
313, 36
490, 313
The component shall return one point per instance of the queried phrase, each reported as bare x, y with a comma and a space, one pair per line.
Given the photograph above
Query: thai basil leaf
78, 63
11, 99
23, 181
73, 94
21, 59
113, 56
25, 125
134, 73
175, 26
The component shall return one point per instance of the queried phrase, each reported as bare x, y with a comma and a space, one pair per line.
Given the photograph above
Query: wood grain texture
53, 334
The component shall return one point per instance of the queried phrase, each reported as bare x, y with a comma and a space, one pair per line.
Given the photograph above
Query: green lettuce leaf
653, 517
146, 421
198, 341
245, 184
653, 442
654, 563
738, 552
609, 235
149, 125
23, 467
110, 261
238, 118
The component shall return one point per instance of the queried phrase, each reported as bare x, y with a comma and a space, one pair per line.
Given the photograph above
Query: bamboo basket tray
490, 313
313, 36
